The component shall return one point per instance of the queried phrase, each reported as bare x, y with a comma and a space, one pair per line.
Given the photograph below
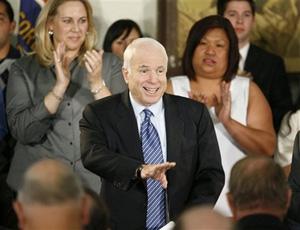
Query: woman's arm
3, 125
112, 73
53, 99
28, 119
93, 64
258, 137
285, 142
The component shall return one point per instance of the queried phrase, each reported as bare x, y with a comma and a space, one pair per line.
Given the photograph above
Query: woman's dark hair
117, 29
198, 31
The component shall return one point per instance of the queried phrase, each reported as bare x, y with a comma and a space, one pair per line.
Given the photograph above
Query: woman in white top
290, 125
240, 112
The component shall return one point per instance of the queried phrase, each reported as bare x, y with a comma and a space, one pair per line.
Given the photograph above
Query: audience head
222, 6
144, 69
202, 218
241, 14
98, 213
258, 185
7, 10
7, 23
212, 35
52, 197
67, 21
119, 35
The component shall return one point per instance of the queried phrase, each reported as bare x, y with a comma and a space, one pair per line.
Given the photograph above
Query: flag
29, 11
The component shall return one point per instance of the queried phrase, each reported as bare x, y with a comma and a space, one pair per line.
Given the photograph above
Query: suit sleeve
3, 125
280, 98
112, 73
97, 157
209, 178
28, 121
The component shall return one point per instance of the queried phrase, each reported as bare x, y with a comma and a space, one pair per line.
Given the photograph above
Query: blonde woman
48, 90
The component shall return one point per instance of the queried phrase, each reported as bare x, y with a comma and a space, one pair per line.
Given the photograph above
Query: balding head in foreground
51, 197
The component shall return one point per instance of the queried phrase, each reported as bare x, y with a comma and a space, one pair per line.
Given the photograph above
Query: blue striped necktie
156, 208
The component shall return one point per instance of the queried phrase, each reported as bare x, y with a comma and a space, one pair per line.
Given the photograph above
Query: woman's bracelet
98, 90
56, 96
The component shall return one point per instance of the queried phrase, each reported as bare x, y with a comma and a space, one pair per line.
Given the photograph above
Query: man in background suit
267, 69
8, 54
112, 146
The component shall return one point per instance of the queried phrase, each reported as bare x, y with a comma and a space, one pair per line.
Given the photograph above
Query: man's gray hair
258, 182
50, 182
140, 43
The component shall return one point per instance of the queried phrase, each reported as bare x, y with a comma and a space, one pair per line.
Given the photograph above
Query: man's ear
20, 213
125, 74
231, 205
12, 27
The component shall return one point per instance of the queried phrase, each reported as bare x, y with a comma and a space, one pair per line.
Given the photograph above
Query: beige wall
144, 12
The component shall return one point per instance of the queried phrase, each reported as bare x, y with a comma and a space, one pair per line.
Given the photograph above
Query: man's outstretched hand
157, 172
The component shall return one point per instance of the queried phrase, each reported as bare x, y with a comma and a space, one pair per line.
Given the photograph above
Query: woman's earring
50, 32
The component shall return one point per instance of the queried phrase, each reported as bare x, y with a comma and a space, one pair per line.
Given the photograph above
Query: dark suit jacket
111, 148
260, 222
269, 74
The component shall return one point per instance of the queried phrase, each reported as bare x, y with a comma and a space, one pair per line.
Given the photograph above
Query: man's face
146, 76
241, 17
6, 27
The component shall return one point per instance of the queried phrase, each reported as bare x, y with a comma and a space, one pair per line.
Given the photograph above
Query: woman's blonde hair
43, 43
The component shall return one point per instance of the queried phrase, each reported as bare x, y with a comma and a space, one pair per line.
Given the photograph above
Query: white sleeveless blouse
230, 152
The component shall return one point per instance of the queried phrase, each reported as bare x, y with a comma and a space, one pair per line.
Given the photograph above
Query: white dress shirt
243, 52
158, 120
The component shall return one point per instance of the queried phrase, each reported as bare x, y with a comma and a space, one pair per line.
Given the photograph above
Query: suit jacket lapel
174, 127
127, 128
250, 59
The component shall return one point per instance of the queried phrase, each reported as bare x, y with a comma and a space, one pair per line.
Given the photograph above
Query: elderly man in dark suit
122, 134
267, 69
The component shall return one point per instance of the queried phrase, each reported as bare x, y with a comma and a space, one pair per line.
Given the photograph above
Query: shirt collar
244, 51
13, 53
138, 108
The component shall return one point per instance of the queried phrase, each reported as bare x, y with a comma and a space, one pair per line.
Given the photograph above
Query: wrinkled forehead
149, 54
145, 51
